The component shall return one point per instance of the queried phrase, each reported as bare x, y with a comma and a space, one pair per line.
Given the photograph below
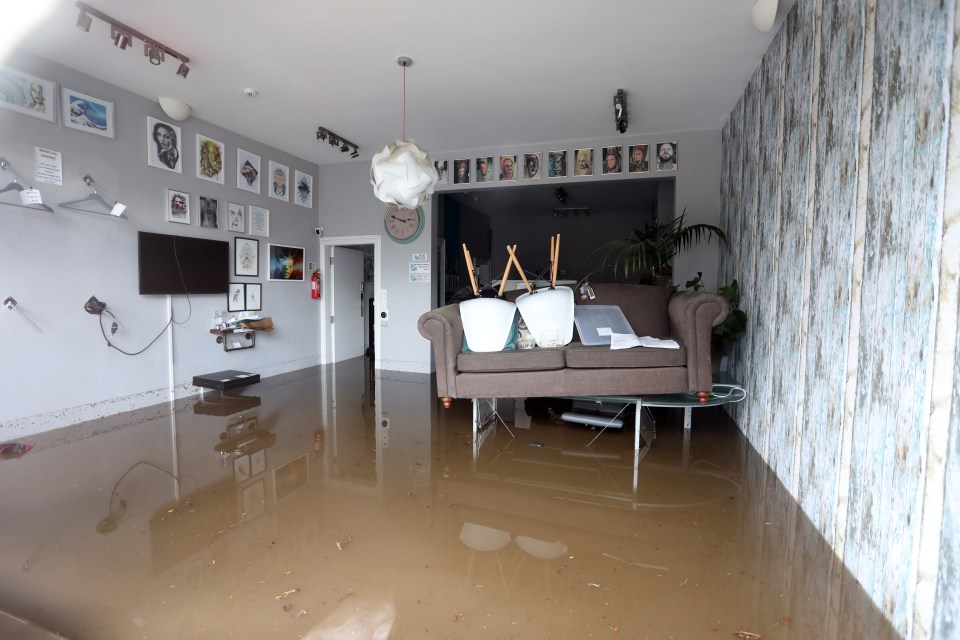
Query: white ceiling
485, 74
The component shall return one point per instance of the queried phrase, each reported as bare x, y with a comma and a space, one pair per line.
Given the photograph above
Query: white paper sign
30, 196
420, 277
420, 257
49, 166
419, 267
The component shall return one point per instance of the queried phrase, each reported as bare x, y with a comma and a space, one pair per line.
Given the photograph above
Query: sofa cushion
512, 360
580, 356
645, 307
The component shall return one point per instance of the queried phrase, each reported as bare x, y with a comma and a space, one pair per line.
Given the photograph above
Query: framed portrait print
666, 156
28, 94
638, 158
611, 160
209, 213
508, 168
284, 263
583, 162
441, 167
178, 206
461, 171
236, 296
485, 169
254, 299
248, 171
163, 145
557, 164
210, 159
290, 476
279, 181
531, 166
236, 217
259, 221
246, 257
303, 189
86, 113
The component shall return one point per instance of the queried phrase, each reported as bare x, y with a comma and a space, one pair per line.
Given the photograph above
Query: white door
349, 316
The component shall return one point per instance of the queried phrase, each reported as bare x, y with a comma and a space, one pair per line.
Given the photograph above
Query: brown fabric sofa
580, 370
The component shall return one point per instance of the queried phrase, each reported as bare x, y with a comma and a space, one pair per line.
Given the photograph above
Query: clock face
403, 224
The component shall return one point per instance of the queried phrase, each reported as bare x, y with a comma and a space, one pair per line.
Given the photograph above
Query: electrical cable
109, 523
101, 308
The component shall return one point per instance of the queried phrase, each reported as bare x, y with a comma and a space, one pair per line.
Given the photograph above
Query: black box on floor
224, 380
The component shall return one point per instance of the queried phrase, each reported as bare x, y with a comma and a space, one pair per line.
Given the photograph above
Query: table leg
686, 417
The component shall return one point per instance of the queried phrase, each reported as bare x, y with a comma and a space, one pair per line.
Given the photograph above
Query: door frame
326, 335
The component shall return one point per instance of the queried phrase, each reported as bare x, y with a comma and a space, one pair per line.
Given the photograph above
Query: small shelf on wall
236, 339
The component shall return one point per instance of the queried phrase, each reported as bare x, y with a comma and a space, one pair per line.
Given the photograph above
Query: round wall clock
402, 224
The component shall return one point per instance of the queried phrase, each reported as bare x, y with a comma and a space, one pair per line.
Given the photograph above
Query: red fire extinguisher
315, 284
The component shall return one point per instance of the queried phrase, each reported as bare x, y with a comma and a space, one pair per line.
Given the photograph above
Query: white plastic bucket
487, 323
549, 315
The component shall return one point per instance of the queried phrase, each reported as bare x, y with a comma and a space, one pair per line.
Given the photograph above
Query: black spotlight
183, 70
561, 195
154, 53
620, 110
83, 21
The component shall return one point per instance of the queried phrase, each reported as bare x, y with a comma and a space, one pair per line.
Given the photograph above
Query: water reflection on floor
353, 506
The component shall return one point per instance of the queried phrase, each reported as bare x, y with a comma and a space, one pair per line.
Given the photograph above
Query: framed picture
583, 162
285, 263
303, 189
24, 93
531, 166
259, 221
178, 206
253, 499
638, 158
210, 159
258, 462
441, 167
236, 297
461, 171
279, 181
508, 168
484, 174
236, 217
254, 298
86, 113
557, 164
290, 476
248, 171
241, 469
209, 213
246, 257
611, 160
666, 156
163, 145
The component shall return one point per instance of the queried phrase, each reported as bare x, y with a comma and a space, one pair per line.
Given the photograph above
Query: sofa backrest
644, 306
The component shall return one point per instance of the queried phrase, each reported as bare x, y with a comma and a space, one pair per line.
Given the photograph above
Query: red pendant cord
404, 103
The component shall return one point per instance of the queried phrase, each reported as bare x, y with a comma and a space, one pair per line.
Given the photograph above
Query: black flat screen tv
179, 264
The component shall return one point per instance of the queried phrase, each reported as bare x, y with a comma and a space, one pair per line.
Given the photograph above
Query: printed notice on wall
420, 257
49, 165
420, 277
419, 267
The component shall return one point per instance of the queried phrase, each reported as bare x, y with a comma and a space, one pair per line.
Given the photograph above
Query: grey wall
52, 263
845, 242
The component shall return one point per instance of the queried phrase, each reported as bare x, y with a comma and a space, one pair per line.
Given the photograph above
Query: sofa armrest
444, 328
693, 315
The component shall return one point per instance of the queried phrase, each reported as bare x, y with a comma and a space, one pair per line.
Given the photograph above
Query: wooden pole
473, 279
503, 280
516, 263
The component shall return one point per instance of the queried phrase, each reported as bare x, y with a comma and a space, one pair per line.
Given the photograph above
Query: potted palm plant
650, 251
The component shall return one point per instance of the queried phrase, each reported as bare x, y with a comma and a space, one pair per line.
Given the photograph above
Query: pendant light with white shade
403, 173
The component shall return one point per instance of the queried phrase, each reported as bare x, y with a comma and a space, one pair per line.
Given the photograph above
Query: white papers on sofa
629, 340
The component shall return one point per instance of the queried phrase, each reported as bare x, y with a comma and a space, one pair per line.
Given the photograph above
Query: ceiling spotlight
561, 195
344, 148
83, 21
355, 154
620, 110
183, 70
335, 141
154, 52
120, 39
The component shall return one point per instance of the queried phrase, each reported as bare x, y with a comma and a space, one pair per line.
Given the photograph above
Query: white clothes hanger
16, 186
111, 207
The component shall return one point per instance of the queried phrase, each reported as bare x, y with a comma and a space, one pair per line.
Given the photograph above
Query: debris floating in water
11, 450
344, 541
286, 594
